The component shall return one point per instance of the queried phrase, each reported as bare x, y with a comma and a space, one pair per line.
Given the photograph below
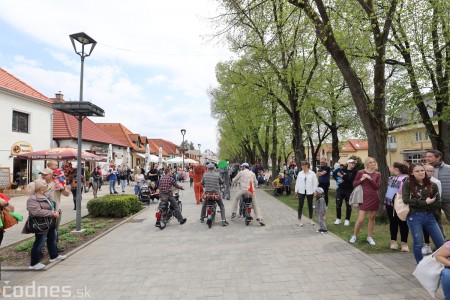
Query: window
20, 122
392, 139
426, 136
418, 136
415, 158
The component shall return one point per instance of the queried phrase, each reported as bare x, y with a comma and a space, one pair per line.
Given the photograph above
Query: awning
413, 151
139, 154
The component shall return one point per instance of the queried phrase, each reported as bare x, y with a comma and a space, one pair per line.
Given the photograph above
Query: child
336, 176
287, 184
321, 209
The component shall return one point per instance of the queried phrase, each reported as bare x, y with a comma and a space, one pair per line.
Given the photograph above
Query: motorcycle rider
211, 182
246, 177
165, 190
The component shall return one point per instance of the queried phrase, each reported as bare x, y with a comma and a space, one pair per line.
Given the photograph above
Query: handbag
39, 224
400, 207
428, 273
356, 197
7, 219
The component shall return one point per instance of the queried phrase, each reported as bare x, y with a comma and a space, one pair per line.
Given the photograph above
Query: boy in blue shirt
287, 184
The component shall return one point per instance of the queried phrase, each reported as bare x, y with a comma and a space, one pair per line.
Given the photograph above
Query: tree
378, 21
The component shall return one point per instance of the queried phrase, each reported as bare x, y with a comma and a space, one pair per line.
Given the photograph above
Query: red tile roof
66, 127
10, 82
168, 147
122, 134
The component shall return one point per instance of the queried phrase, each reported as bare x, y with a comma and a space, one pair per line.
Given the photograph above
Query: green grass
381, 233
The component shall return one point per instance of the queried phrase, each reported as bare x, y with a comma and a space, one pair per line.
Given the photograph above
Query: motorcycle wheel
209, 222
162, 226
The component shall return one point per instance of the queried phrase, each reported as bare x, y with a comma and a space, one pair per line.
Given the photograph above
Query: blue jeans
123, 183
417, 222
39, 241
112, 186
136, 189
445, 283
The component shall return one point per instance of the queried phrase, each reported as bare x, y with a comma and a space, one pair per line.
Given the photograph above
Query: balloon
222, 164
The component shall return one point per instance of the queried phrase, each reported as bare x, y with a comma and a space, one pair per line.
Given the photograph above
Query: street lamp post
200, 154
183, 132
83, 40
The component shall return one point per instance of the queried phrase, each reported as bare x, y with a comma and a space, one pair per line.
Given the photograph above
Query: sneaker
352, 239
37, 266
225, 223
233, 215
371, 241
300, 223
319, 231
394, 245
202, 220
183, 221
158, 224
312, 222
426, 249
59, 257
405, 247
261, 222
337, 222
346, 223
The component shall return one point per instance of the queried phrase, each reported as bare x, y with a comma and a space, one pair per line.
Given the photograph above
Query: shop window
415, 158
20, 122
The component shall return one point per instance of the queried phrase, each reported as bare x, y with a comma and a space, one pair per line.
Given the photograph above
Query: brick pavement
278, 261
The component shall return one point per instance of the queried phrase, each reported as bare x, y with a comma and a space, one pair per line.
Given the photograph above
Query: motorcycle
211, 208
165, 211
245, 208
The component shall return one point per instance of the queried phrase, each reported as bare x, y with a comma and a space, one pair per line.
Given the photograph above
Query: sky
151, 69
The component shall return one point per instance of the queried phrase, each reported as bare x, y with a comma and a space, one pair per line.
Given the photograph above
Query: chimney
59, 97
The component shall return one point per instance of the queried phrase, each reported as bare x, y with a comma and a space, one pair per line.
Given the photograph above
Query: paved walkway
278, 261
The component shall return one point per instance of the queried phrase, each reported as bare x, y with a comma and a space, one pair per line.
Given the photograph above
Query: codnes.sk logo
33, 290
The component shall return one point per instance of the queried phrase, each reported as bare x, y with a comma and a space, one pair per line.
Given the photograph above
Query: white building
26, 125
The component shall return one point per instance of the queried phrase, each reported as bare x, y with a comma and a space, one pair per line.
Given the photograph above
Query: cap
319, 190
211, 166
46, 171
351, 161
245, 165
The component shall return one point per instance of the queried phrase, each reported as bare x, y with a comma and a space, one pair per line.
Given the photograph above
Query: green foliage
25, 246
63, 230
100, 225
88, 231
114, 206
69, 237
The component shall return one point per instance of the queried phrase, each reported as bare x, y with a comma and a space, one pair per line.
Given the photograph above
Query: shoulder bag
428, 273
400, 207
41, 224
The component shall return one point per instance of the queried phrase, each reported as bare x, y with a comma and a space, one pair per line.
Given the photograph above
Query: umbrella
110, 154
61, 154
175, 160
222, 164
160, 158
190, 161
128, 157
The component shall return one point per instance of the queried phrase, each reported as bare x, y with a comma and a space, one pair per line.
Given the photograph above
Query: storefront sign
99, 149
21, 148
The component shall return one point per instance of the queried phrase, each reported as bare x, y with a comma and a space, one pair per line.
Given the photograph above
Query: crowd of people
424, 187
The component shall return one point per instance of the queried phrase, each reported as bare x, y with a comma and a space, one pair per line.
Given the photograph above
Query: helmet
245, 165
211, 166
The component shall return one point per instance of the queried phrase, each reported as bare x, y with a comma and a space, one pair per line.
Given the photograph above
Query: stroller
144, 192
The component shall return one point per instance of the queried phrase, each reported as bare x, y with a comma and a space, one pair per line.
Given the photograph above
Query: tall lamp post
200, 154
83, 46
183, 132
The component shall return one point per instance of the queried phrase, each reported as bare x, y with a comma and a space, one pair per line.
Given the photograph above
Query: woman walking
305, 186
424, 201
370, 180
399, 173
